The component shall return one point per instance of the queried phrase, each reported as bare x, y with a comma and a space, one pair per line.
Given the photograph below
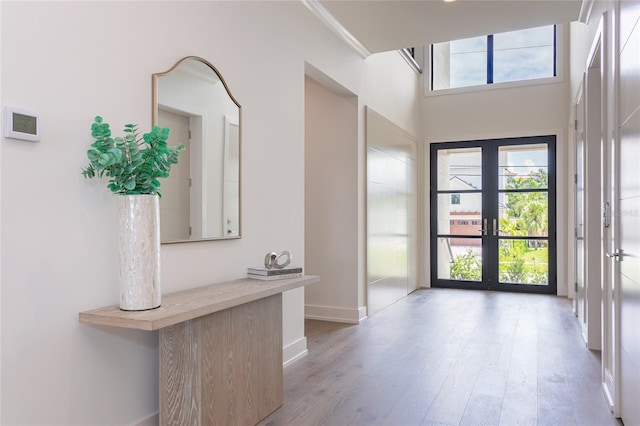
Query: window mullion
555, 52
490, 59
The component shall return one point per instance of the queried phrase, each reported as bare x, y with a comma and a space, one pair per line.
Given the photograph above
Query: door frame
610, 186
495, 143
578, 213
198, 168
593, 256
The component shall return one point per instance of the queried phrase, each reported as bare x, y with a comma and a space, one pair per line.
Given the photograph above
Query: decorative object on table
283, 274
133, 166
275, 260
274, 274
276, 267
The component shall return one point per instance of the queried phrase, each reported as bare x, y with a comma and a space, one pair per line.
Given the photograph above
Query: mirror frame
154, 121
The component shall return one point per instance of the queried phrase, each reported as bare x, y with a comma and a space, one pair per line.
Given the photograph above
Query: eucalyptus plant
132, 164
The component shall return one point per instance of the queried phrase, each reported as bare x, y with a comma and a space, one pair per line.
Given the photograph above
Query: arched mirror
201, 198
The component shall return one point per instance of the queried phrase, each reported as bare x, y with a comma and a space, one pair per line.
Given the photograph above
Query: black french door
493, 214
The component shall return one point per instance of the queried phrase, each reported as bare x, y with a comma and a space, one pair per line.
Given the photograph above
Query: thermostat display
21, 124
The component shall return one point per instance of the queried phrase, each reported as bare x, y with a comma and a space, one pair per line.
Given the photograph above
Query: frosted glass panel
391, 212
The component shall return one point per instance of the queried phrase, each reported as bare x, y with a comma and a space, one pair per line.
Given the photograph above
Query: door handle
616, 255
484, 229
495, 227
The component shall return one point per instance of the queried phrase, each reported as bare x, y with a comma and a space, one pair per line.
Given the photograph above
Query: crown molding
585, 11
330, 21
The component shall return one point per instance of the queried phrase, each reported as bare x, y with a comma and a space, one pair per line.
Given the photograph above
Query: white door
608, 225
231, 178
593, 208
175, 223
580, 300
627, 248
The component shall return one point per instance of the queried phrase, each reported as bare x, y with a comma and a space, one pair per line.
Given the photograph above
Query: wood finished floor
448, 357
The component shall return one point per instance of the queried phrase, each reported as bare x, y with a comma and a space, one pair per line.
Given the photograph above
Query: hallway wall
621, 357
331, 209
70, 61
387, 84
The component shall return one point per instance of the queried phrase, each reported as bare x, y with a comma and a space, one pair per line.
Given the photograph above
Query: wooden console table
220, 349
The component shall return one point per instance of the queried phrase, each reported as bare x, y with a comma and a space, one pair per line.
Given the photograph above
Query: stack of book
265, 274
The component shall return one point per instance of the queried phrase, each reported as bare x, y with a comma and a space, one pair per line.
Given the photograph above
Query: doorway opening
493, 222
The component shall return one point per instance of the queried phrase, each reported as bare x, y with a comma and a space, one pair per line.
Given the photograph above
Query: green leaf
117, 155
104, 159
130, 183
89, 172
133, 163
93, 154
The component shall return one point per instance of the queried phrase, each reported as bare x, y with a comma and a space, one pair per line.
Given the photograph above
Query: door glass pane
459, 169
524, 214
460, 213
460, 259
524, 261
523, 167
523, 55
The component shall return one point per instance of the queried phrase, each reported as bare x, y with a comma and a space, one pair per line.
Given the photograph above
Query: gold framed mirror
201, 197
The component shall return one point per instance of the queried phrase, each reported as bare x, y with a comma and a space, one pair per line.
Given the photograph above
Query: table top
193, 303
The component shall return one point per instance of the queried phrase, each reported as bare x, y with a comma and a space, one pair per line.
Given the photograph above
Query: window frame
559, 61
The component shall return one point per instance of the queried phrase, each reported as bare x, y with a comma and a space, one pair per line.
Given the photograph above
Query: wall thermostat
21, 124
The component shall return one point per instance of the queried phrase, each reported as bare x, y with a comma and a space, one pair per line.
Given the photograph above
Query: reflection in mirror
201, 198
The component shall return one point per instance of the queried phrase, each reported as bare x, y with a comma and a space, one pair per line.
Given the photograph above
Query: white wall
528, 110
331, 203
581, 37
621, 343
72, 60
387, 84
1, 274
391, 88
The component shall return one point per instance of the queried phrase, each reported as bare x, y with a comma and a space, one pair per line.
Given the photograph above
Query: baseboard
152, 420
330, 313
294, 351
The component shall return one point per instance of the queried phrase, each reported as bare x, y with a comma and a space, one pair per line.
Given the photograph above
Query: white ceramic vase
139, 218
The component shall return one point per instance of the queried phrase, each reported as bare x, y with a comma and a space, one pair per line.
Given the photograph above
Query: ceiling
383, 25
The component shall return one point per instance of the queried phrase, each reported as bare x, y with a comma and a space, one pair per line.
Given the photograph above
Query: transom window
495, 58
